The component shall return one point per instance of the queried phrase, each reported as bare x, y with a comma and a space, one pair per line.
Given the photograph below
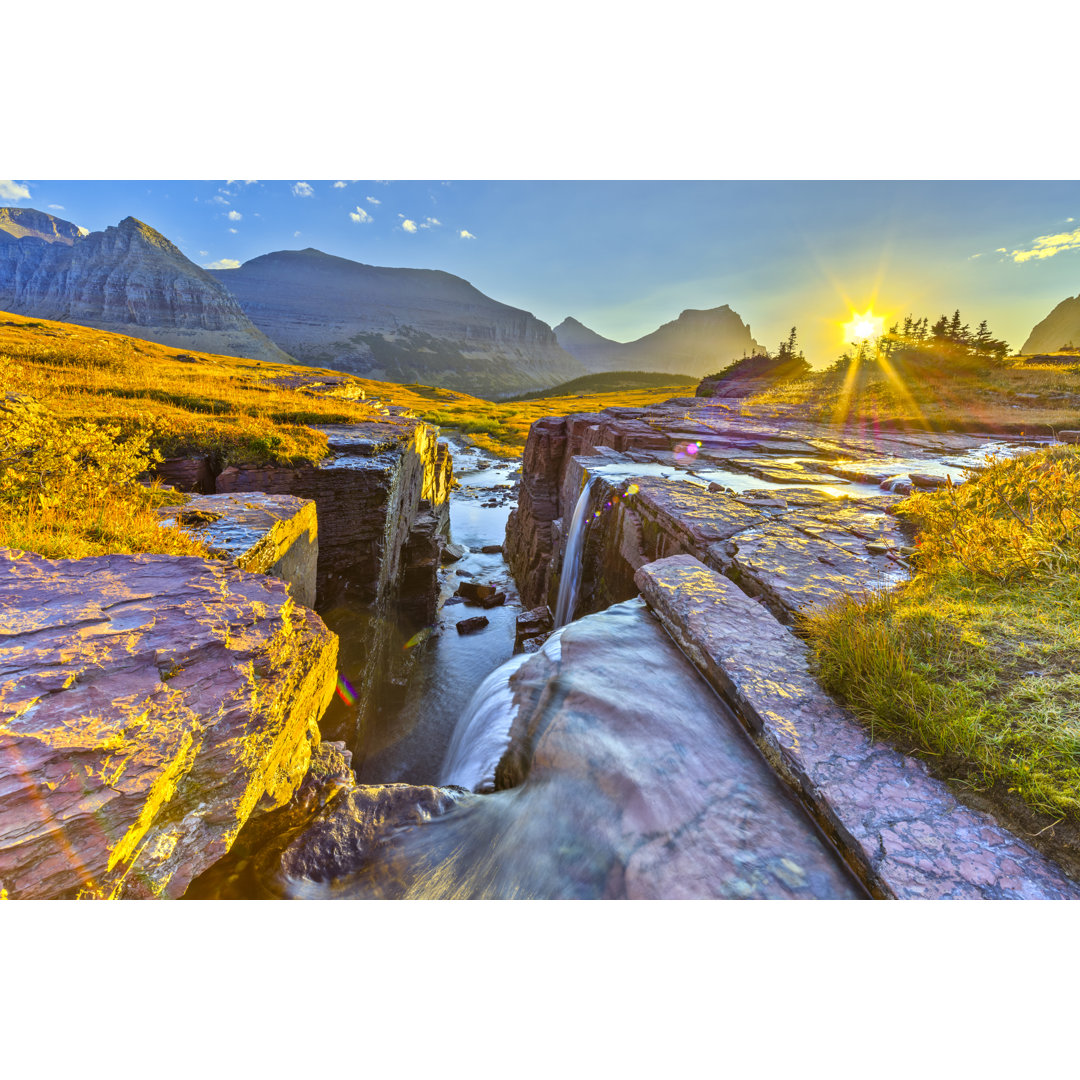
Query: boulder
469, 626
149, 705
474, 591
494, 601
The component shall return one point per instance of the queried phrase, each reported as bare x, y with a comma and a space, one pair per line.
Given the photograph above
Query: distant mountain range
1060, 327
395, 324
696, 343
127, 279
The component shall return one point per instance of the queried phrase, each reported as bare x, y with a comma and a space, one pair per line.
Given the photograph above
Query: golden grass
976, 661
935, 388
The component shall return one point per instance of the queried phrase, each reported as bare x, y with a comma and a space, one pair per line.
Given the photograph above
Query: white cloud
220, 201
1070, 219
233, 231
55, 206
303, 189
977, 256
297, 233
466, 235
1045, 247
233, 215
223, 264
430, 222
378, 202
203, 254
13, 190
409, 226
1001, 251
341, 183
361, 216
385, 183
229, 183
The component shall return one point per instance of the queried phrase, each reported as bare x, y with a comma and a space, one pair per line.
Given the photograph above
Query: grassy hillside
616, 382
85, 414
935, 388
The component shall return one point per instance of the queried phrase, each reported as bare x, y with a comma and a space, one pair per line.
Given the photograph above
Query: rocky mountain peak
17, 222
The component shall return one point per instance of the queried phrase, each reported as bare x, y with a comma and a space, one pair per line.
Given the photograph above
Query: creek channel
407, 739
637, 781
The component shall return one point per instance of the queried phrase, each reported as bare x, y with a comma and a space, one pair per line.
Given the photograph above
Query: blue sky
624, 256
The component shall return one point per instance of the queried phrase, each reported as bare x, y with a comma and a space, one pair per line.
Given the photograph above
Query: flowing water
640, 783
570, 575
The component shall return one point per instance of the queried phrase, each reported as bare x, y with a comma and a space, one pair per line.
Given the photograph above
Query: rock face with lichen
149, 706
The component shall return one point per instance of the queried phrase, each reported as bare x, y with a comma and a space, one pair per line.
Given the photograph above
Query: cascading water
570, 578
482, 734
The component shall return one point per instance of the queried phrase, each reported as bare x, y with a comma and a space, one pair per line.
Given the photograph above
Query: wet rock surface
149, 706
911, 836
264, 534
632, 781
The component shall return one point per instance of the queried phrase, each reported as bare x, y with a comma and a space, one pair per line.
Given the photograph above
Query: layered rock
128, 279
264, 534
149, 705
696, 343
381, 491
382, 498
17, 222
765, 504
1059, 329
396, 324
905, 832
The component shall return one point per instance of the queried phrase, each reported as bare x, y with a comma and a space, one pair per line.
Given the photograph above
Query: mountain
696, 343
17, 223
1060, 327
397, 324
128, 279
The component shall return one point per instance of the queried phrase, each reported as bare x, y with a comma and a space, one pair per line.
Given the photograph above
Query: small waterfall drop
570, 578
482, 734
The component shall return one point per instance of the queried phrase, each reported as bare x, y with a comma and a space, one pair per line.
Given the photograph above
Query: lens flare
863, 327
345, 690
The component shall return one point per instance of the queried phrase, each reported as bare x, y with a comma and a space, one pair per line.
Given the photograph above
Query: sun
862, 327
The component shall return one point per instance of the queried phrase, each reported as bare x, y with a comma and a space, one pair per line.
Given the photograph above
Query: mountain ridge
699, 342
401, 324
130, 279
1060, 327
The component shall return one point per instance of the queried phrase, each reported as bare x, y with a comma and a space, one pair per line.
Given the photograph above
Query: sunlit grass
976, 661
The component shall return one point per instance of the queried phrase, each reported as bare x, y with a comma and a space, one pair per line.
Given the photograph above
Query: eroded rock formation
149, 705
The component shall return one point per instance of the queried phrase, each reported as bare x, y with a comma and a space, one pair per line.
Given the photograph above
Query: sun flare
863, 327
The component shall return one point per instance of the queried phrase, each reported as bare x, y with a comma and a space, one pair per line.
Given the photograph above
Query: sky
625, 256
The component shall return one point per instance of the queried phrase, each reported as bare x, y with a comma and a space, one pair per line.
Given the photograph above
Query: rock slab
903, 829
149, 705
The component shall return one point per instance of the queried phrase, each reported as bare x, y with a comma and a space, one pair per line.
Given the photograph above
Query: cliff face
1060, 327
399, 325
128, 278
696, 343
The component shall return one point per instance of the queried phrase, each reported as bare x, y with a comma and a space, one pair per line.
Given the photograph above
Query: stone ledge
276, 535
904, 831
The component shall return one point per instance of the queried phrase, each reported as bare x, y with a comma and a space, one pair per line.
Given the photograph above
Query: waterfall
570, 578
482, 734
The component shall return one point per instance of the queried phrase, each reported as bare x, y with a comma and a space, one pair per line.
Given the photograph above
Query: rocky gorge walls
151, 706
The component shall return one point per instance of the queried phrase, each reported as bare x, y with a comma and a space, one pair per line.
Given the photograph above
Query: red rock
472, 590
149, 705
